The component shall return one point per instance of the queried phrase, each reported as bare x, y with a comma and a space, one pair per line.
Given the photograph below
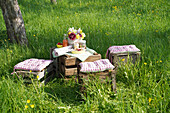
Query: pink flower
72, 36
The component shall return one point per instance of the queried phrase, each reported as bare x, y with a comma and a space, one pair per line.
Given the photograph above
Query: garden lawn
140, 88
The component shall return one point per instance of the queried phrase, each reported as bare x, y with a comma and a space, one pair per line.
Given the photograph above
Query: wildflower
77, 36
5, 40
9, 39
37, 76
28, 101
145, 63
156, 61
11, 51
30, 71
156, 30
123, 59
34, 35
113, 11
150, 100
160, 60
32, 106
26, 106
138, 14
152, 11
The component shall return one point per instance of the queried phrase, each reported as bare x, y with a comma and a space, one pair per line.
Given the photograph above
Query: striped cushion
89, 67
96, 66
32, 64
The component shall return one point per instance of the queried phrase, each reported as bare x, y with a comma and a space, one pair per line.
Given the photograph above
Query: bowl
59, 46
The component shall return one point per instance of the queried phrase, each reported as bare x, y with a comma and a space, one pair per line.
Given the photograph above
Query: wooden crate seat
33, 68
123, 54
86, 71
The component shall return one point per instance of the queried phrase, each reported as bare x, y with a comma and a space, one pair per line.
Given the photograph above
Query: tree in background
14, 21
53, 1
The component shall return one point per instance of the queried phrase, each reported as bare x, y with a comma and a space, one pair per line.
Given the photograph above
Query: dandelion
145, 63
28, 101
30, 71
26, 106
123, 59
32, 106
150, 100
37, 76
160, 60
34, 35
156, 30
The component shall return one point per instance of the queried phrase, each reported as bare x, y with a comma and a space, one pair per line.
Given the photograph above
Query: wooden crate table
108, 74
34, 69
123, 54
66, 65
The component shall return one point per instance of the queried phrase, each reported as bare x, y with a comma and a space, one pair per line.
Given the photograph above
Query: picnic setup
72, 59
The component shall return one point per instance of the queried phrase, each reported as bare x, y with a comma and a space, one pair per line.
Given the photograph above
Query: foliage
141, 88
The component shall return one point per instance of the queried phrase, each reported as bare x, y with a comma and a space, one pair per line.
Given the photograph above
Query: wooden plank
131, 56
68, 71
70, 61
93, 58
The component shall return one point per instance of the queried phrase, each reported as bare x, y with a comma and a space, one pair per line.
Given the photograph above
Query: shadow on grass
66, 91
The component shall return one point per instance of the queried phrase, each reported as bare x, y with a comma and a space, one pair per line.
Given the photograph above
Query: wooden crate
108, 74
122, 58
44, 75
67, 66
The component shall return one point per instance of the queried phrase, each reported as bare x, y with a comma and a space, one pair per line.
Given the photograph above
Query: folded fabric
61, 51
66, 51
32, 64
96, 66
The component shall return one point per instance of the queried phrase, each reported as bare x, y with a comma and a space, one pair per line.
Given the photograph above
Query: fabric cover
32, 64
96, 66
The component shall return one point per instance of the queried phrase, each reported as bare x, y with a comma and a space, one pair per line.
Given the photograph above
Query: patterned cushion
125, 48
104, 64
89, 67
96, 66
32, 64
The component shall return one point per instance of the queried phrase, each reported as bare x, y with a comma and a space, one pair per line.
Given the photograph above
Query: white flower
78, 31
83, 35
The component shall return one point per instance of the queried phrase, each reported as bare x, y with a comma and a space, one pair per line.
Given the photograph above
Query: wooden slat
68, 71
93, 58
70, 61
131, 56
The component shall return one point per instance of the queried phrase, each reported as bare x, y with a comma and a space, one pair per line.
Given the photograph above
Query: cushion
96, 66
104, 64
89, 67
32, 64
125, 48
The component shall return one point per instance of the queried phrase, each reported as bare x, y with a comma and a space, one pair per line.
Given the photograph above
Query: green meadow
141, 88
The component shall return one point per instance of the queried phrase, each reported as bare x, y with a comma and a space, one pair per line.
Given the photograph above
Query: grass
141, 88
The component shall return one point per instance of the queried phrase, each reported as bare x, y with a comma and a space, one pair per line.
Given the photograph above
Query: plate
77, 52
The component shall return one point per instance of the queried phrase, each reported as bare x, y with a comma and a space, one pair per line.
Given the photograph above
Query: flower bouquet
74, 35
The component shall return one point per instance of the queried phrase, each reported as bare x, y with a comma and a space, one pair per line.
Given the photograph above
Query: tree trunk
14, 21
53, 1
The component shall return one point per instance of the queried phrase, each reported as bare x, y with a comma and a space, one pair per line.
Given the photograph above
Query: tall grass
141, 88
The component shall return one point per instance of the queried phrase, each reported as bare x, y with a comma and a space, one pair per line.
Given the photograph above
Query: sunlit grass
141, 88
